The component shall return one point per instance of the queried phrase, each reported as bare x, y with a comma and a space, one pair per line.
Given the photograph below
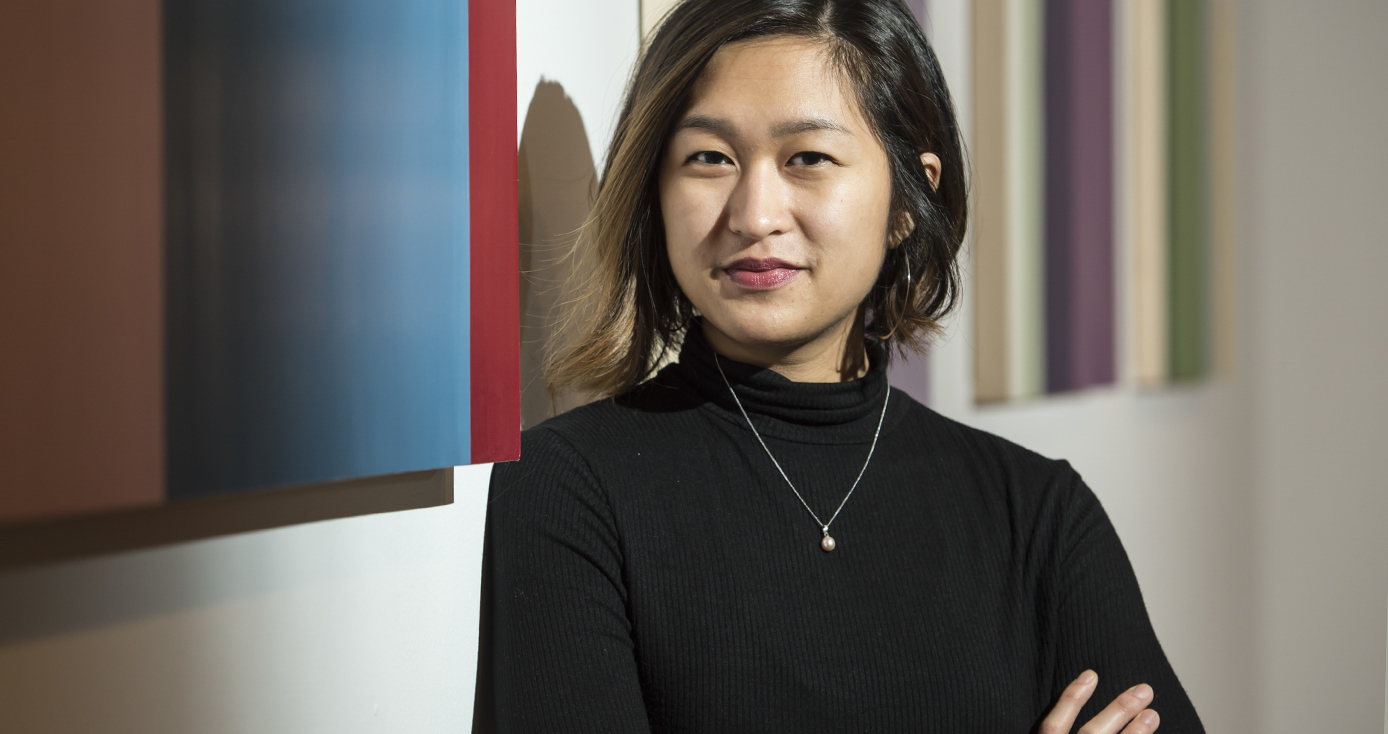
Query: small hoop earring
907, 258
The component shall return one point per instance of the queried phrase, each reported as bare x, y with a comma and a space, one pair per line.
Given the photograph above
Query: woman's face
775, 194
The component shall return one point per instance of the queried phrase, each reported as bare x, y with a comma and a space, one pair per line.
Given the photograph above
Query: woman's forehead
780, 85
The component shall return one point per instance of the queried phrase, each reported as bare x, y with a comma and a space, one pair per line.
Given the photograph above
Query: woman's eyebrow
711, 124
780, 130
808, 125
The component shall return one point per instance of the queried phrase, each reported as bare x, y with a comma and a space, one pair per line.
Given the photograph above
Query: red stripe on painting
495, 271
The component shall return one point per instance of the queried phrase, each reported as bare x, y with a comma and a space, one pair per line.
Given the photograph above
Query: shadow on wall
557, 183
70, 538
79, 573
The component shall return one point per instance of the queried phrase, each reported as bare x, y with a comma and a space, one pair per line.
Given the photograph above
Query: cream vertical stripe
1146, 35
1024, 70
989, 216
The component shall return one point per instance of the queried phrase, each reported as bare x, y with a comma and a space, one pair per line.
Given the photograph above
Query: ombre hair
628, 312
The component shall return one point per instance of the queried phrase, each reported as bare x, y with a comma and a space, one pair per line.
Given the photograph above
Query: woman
763, 536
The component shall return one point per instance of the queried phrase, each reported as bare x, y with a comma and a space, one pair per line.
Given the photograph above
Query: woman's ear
932, 169
902, 227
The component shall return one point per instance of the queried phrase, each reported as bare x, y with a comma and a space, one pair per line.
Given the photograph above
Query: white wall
1316, 218
588, 47
365, 624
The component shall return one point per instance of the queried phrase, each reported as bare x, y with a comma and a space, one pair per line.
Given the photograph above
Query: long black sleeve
1101, 621
557, 648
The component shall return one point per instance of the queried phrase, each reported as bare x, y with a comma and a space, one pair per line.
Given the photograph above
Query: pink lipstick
757, 274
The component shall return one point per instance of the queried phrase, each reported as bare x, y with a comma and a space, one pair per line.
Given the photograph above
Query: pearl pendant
827, 543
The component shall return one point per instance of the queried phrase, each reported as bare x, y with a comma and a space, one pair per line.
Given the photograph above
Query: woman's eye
710, 157
808, 158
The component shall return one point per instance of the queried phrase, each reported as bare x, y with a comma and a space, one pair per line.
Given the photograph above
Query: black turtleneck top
647, 569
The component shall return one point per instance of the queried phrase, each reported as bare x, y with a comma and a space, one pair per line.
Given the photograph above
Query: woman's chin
759, 336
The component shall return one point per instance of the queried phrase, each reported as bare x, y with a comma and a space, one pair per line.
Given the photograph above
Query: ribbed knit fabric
648, 570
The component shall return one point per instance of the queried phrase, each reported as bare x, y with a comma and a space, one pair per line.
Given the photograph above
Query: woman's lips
761, 274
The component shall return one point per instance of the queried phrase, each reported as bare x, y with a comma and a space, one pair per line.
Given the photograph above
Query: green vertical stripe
1189, 213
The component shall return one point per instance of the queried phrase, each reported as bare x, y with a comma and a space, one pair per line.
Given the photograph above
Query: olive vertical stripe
1189, 215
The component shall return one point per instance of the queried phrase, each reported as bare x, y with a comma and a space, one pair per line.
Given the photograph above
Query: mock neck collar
819, 412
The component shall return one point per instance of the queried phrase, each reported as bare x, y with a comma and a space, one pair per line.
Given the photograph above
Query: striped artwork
337, 295
1090, 140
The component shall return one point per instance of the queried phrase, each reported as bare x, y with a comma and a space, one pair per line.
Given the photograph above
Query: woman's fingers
1126, 708
1144, 723
1128, 714
1072, 699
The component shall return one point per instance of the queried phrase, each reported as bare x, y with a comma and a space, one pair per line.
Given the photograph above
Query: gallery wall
1315, 223
364, 624
1252, 505
1169, 465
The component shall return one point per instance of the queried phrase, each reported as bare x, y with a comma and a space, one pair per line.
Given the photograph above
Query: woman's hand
1128, 714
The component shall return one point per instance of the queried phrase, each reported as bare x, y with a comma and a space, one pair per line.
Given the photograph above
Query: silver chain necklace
827, 542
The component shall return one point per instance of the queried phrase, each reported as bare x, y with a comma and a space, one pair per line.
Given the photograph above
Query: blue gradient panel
317, 240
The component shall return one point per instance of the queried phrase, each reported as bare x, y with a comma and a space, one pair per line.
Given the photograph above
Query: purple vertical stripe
1092, 303
1059, 230
1079, 194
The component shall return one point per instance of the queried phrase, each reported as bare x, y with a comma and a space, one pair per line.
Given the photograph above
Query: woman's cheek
691, 213
675, 212
844, 206
850, 238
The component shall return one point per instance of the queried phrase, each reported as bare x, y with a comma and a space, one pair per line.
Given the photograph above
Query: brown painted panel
81, 284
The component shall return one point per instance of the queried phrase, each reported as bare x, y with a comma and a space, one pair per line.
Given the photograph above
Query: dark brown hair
629, 311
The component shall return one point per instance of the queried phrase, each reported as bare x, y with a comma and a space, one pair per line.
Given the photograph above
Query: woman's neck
835, 355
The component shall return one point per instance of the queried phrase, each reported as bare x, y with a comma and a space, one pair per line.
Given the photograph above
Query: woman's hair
628, 311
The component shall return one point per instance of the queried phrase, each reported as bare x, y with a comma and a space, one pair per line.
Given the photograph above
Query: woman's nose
760, 204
